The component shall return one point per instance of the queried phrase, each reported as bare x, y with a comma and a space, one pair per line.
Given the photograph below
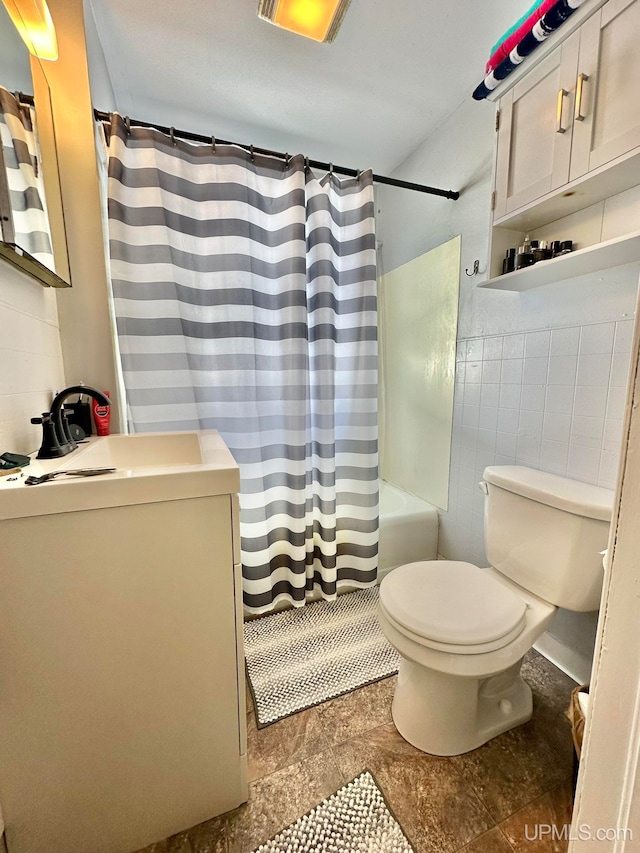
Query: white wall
86, 333
30, 358
102, 95
540, 374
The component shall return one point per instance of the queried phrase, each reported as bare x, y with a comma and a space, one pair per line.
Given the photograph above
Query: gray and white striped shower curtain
21, 158
245, 301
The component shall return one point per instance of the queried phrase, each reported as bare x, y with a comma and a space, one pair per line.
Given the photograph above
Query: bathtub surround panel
245, 301
418, 319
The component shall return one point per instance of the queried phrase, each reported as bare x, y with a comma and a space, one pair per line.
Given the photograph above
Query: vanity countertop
150, 468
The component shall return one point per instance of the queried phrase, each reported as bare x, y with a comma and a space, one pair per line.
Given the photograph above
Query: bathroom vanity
122, 708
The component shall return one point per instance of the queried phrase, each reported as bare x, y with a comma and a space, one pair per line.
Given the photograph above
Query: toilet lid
452, 602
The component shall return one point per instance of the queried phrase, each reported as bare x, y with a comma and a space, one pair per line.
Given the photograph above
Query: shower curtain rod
315, 164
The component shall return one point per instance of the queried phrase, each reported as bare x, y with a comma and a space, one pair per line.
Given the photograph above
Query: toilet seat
452, 606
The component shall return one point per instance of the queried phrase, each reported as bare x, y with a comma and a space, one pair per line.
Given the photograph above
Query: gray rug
302, 657
356, 819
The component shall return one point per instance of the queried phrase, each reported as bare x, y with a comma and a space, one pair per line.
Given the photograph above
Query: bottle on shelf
542, 252
524, 258
508, 264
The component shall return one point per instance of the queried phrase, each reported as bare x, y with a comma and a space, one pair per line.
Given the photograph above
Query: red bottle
101, 416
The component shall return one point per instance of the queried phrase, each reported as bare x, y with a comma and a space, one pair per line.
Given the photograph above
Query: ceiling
395, 72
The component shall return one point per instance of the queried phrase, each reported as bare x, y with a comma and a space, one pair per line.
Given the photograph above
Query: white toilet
463, 631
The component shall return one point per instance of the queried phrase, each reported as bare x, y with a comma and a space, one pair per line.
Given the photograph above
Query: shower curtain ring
251, 154
287, 158
127, 124
213, 144
306, 165
358, 175
330, 170
172, 135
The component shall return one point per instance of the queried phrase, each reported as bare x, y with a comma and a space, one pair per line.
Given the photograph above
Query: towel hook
475, 269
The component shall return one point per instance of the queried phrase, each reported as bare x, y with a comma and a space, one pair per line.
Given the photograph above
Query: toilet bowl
469, 692
463, 631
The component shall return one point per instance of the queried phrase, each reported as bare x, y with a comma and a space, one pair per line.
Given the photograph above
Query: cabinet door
608, 111
534, 137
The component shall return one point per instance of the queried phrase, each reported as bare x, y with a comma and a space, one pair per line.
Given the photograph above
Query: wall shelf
610, 253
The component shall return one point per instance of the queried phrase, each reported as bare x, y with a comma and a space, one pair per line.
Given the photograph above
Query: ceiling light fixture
33, 21
319, 20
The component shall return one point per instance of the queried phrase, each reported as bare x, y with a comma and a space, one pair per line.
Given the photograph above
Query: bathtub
408, 529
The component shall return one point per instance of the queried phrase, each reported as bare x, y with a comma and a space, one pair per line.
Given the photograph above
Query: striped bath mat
355, 819
302, 657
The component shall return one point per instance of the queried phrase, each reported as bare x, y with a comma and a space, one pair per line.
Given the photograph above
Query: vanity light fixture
319, 20
33, 21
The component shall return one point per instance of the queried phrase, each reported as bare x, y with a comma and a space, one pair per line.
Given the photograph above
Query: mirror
25, 232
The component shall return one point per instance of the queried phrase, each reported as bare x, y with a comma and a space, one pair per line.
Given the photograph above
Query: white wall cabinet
568, 145
535, 131
607, 98
575, 111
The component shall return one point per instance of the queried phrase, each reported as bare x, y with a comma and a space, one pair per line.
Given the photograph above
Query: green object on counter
13, 460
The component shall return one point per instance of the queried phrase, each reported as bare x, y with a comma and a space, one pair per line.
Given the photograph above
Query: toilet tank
546, 532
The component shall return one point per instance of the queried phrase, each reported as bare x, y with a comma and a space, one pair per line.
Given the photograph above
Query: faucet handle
50, 447
45, 418
65, 428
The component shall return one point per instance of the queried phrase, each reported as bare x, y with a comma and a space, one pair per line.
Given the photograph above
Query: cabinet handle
561, 96
582, 78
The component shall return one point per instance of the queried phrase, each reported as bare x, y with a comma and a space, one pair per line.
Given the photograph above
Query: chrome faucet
56, 437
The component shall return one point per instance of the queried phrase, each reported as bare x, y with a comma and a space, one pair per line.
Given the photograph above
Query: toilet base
445, 714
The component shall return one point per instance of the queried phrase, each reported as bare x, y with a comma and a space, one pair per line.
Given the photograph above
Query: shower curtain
244, 292
21, 157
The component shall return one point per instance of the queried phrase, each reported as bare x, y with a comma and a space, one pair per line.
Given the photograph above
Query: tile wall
551, 399
30, 358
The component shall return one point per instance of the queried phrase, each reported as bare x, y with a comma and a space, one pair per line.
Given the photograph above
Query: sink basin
151, 467
146, 450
